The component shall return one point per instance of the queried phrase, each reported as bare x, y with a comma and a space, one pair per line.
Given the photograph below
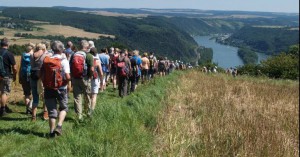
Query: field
47, 29
184, 114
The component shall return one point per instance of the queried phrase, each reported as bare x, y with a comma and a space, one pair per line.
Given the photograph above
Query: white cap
91, 44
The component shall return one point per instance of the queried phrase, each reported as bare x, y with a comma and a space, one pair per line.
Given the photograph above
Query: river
225, 56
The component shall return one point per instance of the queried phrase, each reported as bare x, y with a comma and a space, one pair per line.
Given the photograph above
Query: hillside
268, 40
172, 116
146, 34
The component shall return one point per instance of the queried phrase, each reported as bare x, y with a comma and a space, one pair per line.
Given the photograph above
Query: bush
285, 66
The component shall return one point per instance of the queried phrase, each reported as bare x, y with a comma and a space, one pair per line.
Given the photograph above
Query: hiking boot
33, 119
8, 110
45, 115
2, 112
58, 130
52, 134
28, 110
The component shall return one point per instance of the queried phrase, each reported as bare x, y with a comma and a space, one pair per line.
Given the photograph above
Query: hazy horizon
281, 6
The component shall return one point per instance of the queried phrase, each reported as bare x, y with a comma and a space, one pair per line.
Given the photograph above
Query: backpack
52, 69
114, 61
78, 65
151, 60
161, 65
122, 68
2, 69
95, 73
25, 64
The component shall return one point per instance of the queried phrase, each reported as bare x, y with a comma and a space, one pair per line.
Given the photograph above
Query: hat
145, 54
112, 49
91, 44
135, 52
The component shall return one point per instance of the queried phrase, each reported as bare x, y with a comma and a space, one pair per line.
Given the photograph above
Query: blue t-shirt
138, 62
104, 61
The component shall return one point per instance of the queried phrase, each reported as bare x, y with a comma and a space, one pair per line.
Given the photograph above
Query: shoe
8, 110
52, 134
33, 119
2, 112
45, 115
28, 110
58, 130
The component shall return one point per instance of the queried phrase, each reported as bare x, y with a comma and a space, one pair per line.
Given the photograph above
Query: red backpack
122, 69
78, 65
115, 61
52, 70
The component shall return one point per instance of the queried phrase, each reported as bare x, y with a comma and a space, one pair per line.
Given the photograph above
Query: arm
14, 72
20, 77
99, 70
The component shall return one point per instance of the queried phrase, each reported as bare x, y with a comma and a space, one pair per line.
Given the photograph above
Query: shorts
113, 71
5, 85
95, 86
51, 99
161, 69
145, 72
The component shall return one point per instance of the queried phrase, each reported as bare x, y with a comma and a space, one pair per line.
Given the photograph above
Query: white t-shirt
65, 67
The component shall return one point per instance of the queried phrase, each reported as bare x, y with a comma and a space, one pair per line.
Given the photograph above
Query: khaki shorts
5, 85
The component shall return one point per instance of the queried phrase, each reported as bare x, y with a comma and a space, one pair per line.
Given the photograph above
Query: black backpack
2, 69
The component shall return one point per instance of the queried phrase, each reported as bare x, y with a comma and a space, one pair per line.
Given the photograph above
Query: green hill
146, 34
265, 39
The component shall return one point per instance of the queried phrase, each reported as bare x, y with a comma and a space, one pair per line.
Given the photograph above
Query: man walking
82, 68
8, 72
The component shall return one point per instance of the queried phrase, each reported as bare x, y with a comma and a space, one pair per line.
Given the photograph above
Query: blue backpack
25, 64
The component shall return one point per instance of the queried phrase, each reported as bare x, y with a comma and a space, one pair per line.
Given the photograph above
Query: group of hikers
49, 72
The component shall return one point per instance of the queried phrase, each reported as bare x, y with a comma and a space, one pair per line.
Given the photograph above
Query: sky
290, 6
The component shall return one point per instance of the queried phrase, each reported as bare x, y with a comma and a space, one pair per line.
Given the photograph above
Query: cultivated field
47, 29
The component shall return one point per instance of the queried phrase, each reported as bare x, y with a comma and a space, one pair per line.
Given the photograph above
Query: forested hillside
264, 39
146, 34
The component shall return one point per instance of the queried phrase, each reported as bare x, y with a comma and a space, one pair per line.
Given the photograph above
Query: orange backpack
52, 70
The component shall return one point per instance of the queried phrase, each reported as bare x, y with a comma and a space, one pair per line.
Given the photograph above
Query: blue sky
244, 5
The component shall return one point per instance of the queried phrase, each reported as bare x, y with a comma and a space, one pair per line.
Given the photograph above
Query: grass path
120, 127
217, 115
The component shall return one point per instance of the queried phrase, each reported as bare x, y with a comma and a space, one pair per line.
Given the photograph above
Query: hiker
8, 73
69, 52
162, 66
55, 75
123, 69
172, 66
214, 69
35, 82
234, 72
152, 61
167, 66
24, 76
91, 45
133, 73
113, 67
97, 76
81, 65
145, 67
104, 59
139, 63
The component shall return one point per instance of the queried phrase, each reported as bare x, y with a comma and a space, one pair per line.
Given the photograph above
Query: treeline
99, 43
264, 40
206, 55
155, 34
248, 56
282, 66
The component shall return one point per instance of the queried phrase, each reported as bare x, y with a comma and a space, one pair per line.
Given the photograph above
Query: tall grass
217, 115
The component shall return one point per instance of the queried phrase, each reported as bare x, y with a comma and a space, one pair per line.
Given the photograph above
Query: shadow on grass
13, 119
23, 132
